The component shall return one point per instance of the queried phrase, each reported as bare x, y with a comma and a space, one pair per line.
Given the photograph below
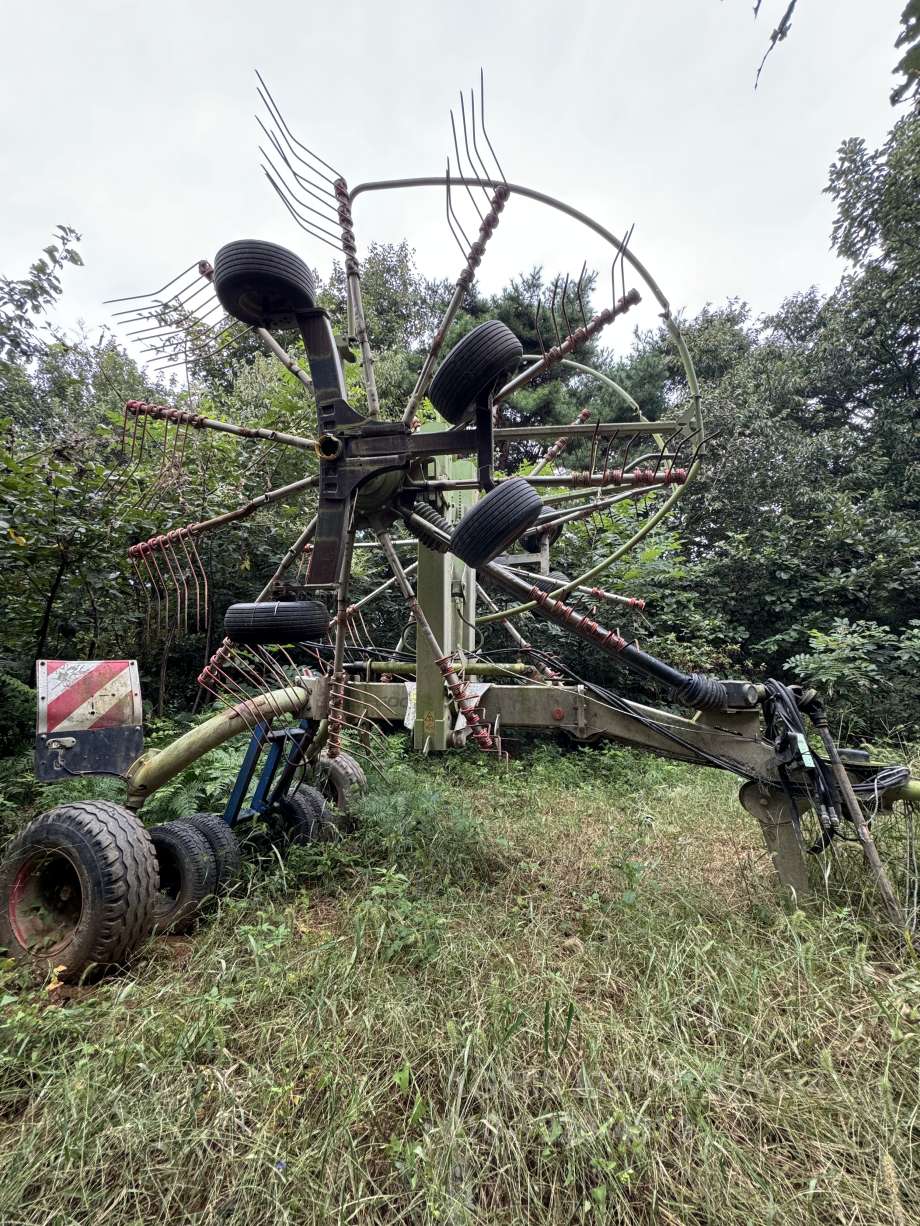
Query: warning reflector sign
89, 717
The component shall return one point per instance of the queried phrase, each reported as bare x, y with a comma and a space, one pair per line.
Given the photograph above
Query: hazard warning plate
90, 719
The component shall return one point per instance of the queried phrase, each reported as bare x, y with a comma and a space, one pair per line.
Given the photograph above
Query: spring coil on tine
479, 731
486, 230
584, 626
346, 223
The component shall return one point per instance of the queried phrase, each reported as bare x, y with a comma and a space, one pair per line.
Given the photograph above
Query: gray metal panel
103, 751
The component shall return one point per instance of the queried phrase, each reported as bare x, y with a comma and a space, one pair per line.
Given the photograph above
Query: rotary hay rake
299, 668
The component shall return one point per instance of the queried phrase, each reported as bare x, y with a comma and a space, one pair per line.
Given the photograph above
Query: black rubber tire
262, 284
342, 781
103, 852
279, 621
472, 368
224, 846
531, 541
306, 817
549, 583
489, 527
188, 875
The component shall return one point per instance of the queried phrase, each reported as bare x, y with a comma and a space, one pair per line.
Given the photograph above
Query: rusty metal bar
163, 412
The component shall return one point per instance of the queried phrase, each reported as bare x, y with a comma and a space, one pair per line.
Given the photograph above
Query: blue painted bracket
264, 795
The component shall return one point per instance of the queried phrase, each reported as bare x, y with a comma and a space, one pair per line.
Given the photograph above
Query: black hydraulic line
691, 689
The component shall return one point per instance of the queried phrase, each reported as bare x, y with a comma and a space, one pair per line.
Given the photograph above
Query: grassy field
560, 992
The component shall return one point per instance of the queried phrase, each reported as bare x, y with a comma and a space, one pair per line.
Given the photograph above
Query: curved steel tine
139, 418
466, 145
565, 316
613, 267
233, 340
205, 348
255, 677
167, 329
552, 311
382, 708
360, 723
142, 587
236, 688
675, 453
593, 460
124, 432
679, 449
165, 605
115, 493
231, 694
606, 461
453, 128
629, 234
273, 106
204, 579
194, 574
151, 293
453, 214
178, 300
316, 190
626, 450
158, 306
482, 121
224, 702
156, 591
581, 305
167, 558
298, 670
449, 212
153, 307
226, 328
536, 324
487, 174
182, 574
367, 634
699, 447
293, 195
304, 225
668, 442
273, 669
177, 434
201, 339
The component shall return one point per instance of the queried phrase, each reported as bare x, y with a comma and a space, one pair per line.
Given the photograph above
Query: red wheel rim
46, 902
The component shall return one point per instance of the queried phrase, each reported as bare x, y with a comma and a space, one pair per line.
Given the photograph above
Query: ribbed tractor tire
224, 846
188, 875
489, 527
343, 782
262, 284
306, 816
277, 622
77, 889
472, 369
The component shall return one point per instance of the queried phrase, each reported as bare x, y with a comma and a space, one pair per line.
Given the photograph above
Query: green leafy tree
24, 302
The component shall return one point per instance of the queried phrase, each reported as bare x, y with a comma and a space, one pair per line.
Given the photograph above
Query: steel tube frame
624, 252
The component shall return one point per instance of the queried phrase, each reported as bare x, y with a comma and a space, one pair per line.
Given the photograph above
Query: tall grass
554, 993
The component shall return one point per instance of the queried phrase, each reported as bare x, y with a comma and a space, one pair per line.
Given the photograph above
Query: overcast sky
134, 123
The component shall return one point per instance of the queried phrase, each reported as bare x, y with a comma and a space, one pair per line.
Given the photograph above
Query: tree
24, 302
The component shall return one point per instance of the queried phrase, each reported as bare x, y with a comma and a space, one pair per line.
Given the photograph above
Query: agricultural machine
467, 547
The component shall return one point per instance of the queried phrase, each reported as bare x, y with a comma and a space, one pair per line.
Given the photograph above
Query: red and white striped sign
87, 695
